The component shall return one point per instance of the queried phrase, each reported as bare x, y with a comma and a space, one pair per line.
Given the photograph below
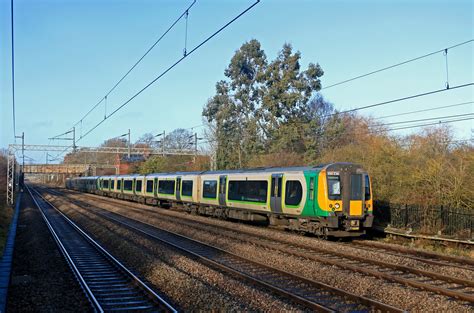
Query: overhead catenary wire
405, 98
192, 127
401, 99
440, 120
167, 70
185, 14
13, 73
393, 115
445, 142
427, 119
386, 116
57, 136
444, 50
104, 98
397, 100
431, 124
170, 68
426, 110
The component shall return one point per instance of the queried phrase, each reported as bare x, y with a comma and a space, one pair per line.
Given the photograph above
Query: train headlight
337, 206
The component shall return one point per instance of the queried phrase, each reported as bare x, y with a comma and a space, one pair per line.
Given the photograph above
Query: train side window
166, 187
334, 187
209, 189
187, 188
248, 190
367, 187
127, 185
356, 187
149, 186
138, 185
293, 192
119, 184
105, 184
112, 184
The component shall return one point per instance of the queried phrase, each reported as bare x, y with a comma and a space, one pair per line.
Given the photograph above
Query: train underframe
330, 226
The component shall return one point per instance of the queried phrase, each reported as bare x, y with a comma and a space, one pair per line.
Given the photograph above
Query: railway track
461, 289
309, 293
108, 284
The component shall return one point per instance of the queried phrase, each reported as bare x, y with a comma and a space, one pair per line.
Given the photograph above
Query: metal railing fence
455, 223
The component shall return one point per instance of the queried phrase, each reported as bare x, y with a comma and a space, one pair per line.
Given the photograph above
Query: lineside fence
438, 221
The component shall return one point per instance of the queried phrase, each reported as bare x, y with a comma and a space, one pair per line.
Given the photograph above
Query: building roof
133, 158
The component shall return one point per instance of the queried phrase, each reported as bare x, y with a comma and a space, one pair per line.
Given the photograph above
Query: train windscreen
356, 187
334, 187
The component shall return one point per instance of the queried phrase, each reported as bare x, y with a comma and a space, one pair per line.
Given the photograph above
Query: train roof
236, 171
267, 169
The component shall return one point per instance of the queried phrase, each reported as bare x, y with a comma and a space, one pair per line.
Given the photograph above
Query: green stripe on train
311, 207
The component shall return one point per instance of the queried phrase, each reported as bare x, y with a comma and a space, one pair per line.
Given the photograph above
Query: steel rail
108, 284
334, 258
310, 293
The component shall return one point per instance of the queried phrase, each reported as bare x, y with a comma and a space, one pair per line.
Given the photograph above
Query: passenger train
327, 200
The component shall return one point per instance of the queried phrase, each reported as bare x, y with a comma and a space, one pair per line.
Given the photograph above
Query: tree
261, 107
147, 140
221, 113
179, 139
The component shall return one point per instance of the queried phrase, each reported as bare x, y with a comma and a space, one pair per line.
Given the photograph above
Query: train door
357, 195
311, 198
222, 189
178, 188
275, 193
352, 193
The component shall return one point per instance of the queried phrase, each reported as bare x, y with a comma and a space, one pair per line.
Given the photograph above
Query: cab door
352, 193
222, 189
178, 188
275, 193
357, 195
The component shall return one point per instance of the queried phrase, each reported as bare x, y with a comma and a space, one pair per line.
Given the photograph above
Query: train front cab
348, 199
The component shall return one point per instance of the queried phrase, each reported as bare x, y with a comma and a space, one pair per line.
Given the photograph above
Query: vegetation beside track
444, 247
6, 212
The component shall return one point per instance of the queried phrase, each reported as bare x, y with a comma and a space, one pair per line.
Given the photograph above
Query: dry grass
448, 248
6, 213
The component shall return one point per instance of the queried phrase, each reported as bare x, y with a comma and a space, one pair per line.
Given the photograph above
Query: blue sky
68, 54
